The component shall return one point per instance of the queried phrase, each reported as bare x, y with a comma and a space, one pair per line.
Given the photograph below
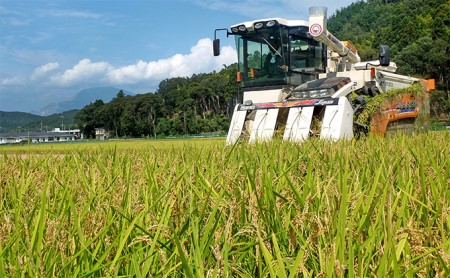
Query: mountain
81, 99
20, 121
16, 120
56, 115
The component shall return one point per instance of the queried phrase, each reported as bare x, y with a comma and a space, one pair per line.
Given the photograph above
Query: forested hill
199, 104
20, 121
418, 32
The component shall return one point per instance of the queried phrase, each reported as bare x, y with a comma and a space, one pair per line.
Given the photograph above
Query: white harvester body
318, 74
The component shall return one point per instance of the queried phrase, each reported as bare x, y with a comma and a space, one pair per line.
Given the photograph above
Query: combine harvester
298, 81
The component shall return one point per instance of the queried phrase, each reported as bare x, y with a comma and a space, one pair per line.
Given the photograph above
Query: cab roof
282, 21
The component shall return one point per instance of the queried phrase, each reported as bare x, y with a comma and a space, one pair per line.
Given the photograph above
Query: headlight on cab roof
242, 28
271, 23
259, 25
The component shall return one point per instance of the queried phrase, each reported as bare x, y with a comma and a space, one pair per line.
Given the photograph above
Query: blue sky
52, 49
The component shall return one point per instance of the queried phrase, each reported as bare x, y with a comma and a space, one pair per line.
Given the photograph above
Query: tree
111, 113
88, 118
440, 104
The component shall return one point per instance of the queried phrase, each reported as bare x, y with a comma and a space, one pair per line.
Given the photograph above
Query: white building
36, 137
100, 134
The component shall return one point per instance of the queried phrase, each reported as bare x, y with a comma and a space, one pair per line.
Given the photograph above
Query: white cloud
129, 74
83, 72
14, 81
43, 70
89, 73
69, 13
50, 81
200, 60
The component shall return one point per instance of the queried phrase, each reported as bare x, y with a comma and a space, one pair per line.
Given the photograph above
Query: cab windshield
278, 56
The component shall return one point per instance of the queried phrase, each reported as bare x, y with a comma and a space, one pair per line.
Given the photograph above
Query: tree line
417, 31
199, 104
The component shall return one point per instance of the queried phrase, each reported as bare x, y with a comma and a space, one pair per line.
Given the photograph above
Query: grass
373, 207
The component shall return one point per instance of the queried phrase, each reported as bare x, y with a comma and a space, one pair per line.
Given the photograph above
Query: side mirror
216, 47
384, 56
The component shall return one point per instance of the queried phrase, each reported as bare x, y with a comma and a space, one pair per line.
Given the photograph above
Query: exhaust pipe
318, 29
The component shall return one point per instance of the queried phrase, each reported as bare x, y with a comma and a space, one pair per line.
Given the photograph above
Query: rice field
365, 208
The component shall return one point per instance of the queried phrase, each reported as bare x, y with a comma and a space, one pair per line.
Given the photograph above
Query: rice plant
368, 208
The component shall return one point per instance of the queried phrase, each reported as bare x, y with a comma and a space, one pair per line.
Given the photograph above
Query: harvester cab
297, 78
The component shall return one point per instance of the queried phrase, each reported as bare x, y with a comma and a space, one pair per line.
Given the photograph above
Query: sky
52, 49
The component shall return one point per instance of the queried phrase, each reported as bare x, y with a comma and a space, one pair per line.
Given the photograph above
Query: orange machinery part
398, 109
392, 111
429, 84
